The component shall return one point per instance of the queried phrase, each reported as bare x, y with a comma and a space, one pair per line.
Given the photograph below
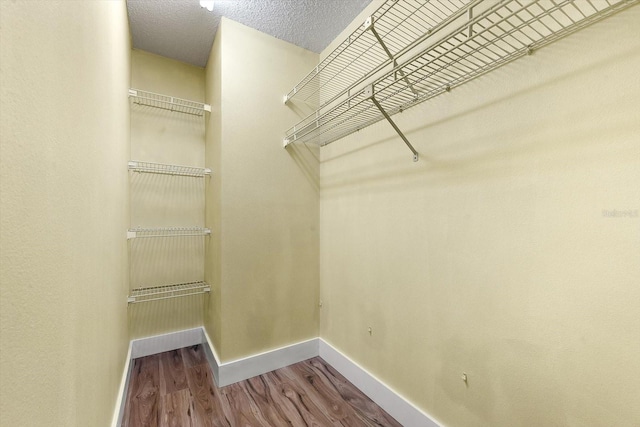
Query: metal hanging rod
163, 169
487, 39
167, 291
166, 102
143, 233
394, 28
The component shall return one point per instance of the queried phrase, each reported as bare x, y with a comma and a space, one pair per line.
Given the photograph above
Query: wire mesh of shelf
167, 291
166, 102
397, 24
141, 233
501, 33
164, 169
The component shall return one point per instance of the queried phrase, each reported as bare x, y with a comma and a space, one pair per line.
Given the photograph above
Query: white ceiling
182, 30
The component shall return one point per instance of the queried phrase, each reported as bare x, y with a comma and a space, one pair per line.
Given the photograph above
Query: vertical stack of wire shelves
409, 51
155, 292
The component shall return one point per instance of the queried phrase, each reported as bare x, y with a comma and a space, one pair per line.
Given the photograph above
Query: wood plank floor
176, 389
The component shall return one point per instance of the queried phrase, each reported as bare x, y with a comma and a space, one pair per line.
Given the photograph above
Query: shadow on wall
307, 157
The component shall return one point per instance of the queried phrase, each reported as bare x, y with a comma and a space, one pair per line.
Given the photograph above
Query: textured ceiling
182, 30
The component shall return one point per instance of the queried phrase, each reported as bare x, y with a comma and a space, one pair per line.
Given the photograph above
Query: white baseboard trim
248, 367
146, 347
397, 406
166, 342
258, 364
212, 356
234, 371
116, 420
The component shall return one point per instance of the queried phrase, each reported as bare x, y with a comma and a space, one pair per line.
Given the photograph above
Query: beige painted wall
492, 255
267, 199
166, 201
64, 132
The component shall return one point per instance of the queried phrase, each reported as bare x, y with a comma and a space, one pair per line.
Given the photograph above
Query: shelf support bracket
370, 26
368, 91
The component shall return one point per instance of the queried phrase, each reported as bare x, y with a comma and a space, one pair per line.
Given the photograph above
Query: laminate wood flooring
176, 389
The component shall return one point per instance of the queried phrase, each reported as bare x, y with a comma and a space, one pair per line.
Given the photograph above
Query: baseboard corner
248, 367
405, 412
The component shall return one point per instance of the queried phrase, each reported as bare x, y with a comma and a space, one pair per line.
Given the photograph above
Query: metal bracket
369, 93
368, 23
390, 55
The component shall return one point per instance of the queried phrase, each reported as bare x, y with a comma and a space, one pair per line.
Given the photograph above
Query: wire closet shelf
489, 35
392, 29
167, 291
164, 169
169, 103
145, 233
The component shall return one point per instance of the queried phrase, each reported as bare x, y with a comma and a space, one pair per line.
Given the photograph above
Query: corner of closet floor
212, 356
258, 364
158, 344
400, 408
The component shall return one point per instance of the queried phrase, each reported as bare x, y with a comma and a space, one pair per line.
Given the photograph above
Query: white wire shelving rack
384, 36
165, 169
157, 293
147, 233
166, 102
489, 35
163, 292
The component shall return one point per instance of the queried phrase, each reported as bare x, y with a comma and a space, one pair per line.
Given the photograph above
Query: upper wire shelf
141, 233
167, 291
390, 31
164, 169
166, 102
465, 49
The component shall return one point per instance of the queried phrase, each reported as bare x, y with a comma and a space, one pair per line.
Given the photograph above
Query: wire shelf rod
142, 233
163, 292
170, 103
501, 34
166, 169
